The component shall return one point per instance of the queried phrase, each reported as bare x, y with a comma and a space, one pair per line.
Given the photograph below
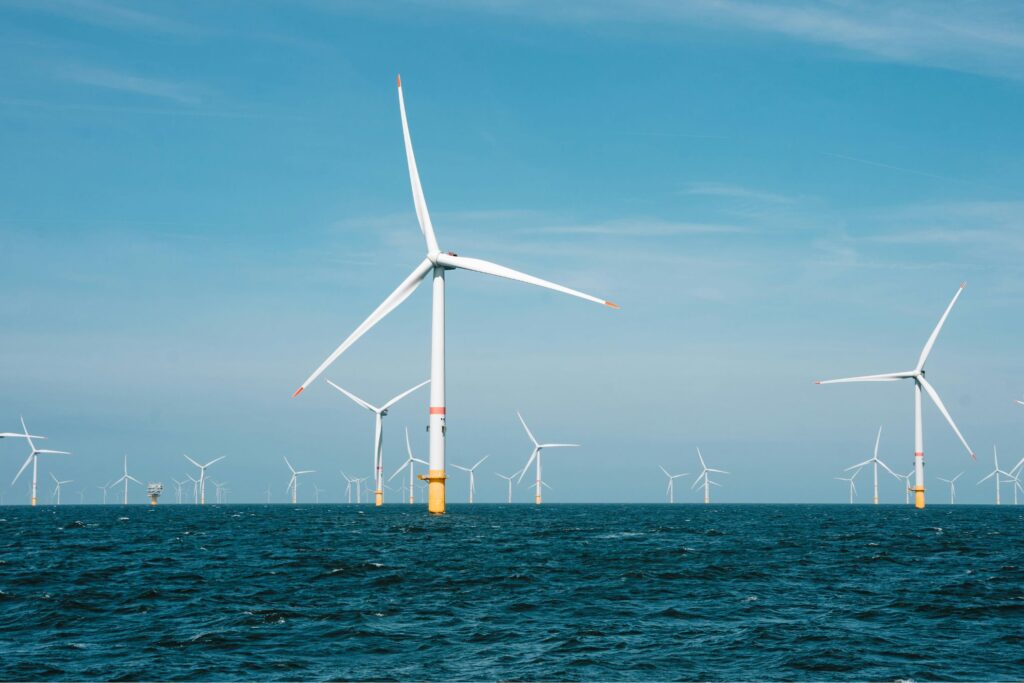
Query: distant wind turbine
853, 487
509, 479
952, 487
104, 489
293, 483
995, 473
126, 478
195, 488
177, 490
906, 480
536, 455
378, 438
436, 264
917, 374
671, 483
875, 462
408, 463
472, 478
202, 476
348, 485
33, 457
703, 477
59, 483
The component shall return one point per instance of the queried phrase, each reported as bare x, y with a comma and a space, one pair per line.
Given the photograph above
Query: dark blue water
603, 592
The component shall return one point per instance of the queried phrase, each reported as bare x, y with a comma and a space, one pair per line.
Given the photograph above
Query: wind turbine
104, 489
671, 481
706, 479
472, 479
268, 494
126, 478
952, 487
81, 496
853, 487
408, 463
875, 462
195, 488
33, 457
995, 473
536, 455
177, 490
917, 374
906, 480
1014, 479
509, 479
348, 485
202, 476
59, 483
378, 436
435, 264
316, 493
293, 483
219, 490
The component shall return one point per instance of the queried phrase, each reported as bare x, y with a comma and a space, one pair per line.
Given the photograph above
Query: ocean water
566, 592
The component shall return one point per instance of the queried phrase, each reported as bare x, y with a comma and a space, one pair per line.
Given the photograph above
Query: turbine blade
888, 469
460, 467
355, 398
489, 268
945, 413
27, 435
987, 477
857, 466
665, 471
935, 333
528, 432
402, 395
878, 440
399, 470
886, 377
422, 462
545, 484
396, 297
408, 445
192, 461
420, 202
559, 445
529, 462
478, 462
131, 478
27, 461
53, 452
215, 460
289, 466
701, 457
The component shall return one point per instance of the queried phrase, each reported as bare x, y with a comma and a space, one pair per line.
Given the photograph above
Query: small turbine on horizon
472, 478
293, 483
126, 478
705, 470
875, 462
59, 483
952, 487
671, 483
536, 455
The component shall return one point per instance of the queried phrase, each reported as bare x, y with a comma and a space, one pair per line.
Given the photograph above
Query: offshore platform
154, 491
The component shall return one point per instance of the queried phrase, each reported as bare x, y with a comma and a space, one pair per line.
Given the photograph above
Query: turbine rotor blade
886, 377
533, 456
27, 461
402, 395
394, 299
528, 432
935, 333
355, 398
945, 413
488, 268
418, 200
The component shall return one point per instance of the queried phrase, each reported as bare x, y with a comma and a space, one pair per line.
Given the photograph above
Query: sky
199, 201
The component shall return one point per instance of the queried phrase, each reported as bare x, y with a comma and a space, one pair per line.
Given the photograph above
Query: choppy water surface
601, 592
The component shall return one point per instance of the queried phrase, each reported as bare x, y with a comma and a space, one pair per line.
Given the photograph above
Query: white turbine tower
126, 478
952, 487
33, 457
853, 487
316, 493
472, 478
536, 455
268, 494
408, 463
177, 490
59, 483
875, 462
671, 483
195, 488
706, 479
996, 473
378, 435
906, 480
435, 264
1014, 478
104, 489
293, 483
920, 383
348, 485
202, 476
509, 479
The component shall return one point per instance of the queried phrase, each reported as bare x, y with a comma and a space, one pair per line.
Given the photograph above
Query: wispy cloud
711, 189
109, 79
106, 14
967, 36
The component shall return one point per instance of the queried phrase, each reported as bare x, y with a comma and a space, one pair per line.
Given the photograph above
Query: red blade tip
609, 304
399, 79
817, 381
298, 391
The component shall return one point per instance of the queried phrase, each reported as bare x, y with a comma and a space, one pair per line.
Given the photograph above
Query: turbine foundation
435, 491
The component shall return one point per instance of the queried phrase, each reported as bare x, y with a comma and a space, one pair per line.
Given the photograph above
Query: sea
512, 592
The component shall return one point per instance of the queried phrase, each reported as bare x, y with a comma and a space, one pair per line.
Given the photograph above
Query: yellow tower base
152, 500
536, 500
378, 498
435, 491
918, 497
33, 501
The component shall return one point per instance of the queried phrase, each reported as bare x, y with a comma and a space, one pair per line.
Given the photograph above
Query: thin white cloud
712, 189
109, 79
106, 14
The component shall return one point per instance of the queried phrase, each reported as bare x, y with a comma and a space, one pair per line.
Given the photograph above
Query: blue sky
198, 202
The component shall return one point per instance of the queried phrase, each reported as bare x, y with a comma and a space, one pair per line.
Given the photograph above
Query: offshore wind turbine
536, 455
875, 462
195, 488
995, 473
378, 438
293, 483
952, 487
104, 489
316, 493
906, 480
177, 490
202, 476
435, 264
472, 478
348, 485
268, 494
671, 481
408, 463
59, 483
509, 479
920, 383
853, 487
125, 478
33, 457
705, 470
